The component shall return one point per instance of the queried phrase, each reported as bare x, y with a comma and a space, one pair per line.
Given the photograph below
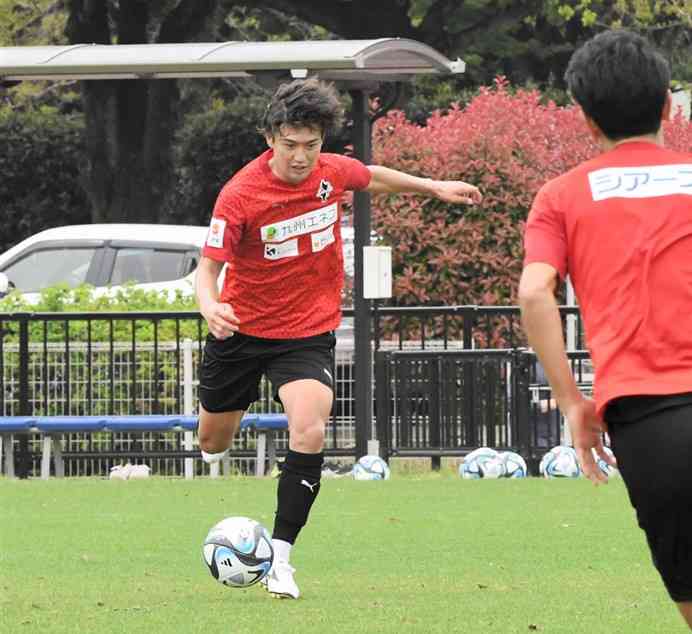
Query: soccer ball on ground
603, 465
371, 468
560, 462
238, 552
514, 465
483, 462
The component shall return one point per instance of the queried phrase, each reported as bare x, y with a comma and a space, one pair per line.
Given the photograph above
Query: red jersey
282, 243
621, 226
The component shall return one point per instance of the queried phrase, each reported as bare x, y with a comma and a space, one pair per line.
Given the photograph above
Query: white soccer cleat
280, 581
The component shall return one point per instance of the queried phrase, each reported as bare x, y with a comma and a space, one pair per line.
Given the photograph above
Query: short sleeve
355, 174
226, 226
545, 237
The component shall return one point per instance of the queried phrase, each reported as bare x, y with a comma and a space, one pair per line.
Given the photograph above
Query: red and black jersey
282, 243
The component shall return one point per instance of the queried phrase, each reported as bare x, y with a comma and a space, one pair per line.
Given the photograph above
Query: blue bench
52, 427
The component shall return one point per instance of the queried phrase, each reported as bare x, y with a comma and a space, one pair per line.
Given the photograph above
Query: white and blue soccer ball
238, 552
371, 468
560, 462
483, 462
603, 465
514, 465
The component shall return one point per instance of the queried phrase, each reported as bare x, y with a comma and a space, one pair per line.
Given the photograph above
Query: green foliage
31, 22
39, 188
211, 147
85, 299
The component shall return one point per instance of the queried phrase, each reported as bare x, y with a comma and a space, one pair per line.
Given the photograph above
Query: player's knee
212, 443
308, 437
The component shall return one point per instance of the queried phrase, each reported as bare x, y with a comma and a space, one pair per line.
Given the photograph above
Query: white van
154, 257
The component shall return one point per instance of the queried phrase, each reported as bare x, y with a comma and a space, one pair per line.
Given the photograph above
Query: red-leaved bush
508, 144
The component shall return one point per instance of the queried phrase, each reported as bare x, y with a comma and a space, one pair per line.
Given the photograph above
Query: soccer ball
483, 462
371, 468
560, 462
603, 465
238, 552
514, 465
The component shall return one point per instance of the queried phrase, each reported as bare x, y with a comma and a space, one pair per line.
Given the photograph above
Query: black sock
299, 484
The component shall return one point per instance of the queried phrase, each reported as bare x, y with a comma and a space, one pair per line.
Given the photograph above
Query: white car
154, 257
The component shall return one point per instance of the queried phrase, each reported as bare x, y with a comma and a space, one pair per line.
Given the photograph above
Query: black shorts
232, 368
653, 454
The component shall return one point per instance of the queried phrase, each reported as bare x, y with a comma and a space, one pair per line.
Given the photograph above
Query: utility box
377, 272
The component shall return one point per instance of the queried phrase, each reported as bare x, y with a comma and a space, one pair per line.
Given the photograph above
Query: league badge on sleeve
216, 231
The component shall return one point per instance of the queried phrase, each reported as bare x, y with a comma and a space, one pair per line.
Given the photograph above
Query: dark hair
620, 82
304, 103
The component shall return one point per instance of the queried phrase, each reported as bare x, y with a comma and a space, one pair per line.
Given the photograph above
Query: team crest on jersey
324, 190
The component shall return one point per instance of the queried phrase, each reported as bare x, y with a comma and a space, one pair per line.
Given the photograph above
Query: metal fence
147, 363
449, 402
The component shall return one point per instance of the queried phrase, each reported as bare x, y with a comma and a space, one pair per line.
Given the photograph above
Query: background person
276, 224
621, 225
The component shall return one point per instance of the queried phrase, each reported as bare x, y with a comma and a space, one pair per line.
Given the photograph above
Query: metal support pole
188, 405
24, 457
362, 309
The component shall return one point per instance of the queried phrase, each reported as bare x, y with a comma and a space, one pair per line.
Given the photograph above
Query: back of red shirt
621, 226
282, 243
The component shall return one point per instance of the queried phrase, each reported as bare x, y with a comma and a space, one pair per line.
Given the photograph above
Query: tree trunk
130, 124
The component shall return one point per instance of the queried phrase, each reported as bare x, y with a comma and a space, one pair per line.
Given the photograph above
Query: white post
187, 404
571, 319
571, 344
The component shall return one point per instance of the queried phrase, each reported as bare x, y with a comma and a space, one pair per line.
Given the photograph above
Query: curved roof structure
387, 59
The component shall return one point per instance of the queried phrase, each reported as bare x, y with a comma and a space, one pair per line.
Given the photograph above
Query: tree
129, 123
521, 39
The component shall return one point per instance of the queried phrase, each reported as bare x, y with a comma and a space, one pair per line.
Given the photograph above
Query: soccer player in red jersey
621, 226
276, 224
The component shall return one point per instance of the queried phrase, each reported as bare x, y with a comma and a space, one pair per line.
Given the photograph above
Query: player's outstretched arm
220, 318
389, 181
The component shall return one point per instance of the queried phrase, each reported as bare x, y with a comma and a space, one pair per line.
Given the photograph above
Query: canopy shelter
380, 60
355, 65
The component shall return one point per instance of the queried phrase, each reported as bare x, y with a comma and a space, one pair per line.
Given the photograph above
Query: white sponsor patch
286, 249
315, 220
322, 239
646, 181
216, 230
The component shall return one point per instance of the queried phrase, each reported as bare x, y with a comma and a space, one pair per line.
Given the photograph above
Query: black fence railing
468, 327
147, 363
449, 402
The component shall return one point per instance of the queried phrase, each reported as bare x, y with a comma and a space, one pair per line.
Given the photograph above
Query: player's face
296, 151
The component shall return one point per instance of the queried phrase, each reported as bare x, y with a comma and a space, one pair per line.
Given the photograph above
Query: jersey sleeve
545, 236
225, 228
356, 176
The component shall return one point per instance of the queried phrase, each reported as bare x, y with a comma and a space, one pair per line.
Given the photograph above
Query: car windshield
44, 268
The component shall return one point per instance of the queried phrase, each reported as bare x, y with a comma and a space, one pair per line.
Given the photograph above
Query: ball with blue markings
603, 465
483, 462
371, 468
560, 462
514, 465
238, 552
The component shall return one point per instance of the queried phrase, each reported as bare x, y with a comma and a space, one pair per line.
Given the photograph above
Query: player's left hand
457, 192
587, 430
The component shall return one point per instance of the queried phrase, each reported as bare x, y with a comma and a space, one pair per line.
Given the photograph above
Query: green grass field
428, 553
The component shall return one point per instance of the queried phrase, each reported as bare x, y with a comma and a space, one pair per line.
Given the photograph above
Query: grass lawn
420, 553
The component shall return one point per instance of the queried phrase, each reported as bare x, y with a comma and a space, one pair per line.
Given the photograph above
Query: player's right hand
221, 319
587, 430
